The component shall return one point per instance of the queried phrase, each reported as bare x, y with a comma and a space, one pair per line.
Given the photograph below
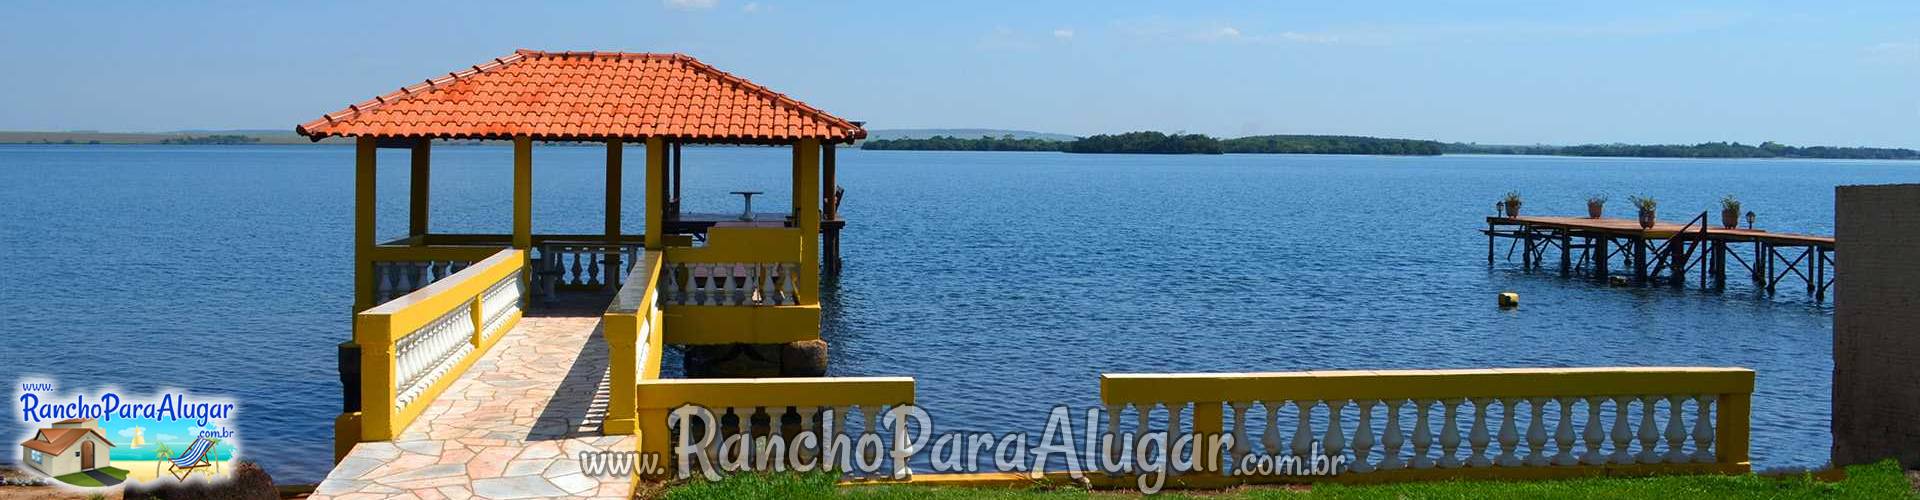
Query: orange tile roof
57, 441
588, 96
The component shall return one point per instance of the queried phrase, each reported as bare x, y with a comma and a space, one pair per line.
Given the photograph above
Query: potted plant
1595, 205
1512, 201
1646, 206
1729, 212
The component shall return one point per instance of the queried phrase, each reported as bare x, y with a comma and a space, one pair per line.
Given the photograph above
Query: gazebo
428, 305
662, 100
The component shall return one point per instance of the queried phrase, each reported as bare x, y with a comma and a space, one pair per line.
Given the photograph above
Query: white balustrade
1559, 431
757, 429
426, 355
392, 279
729, 284
499, 302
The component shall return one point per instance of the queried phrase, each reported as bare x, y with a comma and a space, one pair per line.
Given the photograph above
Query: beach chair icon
195, 458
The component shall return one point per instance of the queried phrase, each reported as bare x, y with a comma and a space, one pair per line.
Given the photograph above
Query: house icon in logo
70, 446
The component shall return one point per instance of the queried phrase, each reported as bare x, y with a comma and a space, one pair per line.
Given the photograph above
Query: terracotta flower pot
1730, 219
1646, 219
1513, 210
1594, 210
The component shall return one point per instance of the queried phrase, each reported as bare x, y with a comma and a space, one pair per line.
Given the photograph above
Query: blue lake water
1004, 282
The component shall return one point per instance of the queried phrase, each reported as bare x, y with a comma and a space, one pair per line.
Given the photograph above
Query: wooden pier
1667, 252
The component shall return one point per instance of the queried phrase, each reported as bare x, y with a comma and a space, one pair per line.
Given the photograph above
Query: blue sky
1490, 72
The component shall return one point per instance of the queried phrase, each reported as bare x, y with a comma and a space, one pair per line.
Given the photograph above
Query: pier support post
1676, 262
1566, 253
1526, 251
1759, 264
1490, 244
1717, 265
1640, 260
1600, 259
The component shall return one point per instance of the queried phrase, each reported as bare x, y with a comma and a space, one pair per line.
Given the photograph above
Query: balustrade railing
632, 327
583, 265
414, 346
730, 284
396, 278
1518, 423
754, 411
740, 266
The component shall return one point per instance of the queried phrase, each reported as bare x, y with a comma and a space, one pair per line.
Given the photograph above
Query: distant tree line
1332, 144
947, 143
221, 140
1163, 143
1147, 143
1767, 149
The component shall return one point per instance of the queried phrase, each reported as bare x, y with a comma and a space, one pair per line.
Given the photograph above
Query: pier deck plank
1661, 229
512, 426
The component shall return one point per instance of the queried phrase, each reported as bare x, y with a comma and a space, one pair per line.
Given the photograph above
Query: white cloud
751, 8
689, 4
1063, 33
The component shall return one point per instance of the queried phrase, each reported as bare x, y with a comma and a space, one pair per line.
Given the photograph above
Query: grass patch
81, 479
1877, 481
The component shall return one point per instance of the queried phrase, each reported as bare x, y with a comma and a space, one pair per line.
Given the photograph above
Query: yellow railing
1553, 422
633, 330
413, 347
759, 405
747, 285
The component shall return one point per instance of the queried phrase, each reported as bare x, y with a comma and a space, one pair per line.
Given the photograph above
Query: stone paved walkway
513, 426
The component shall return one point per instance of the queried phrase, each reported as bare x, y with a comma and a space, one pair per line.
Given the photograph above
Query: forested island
1162, 143
1767, 149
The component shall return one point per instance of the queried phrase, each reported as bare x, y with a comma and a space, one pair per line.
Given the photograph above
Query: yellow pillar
523, 193
622, 333
364, 231
656, 197
1208, 422
806, 216
1730, 443
417, 216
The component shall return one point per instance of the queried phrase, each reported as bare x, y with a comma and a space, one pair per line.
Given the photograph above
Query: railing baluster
1649, 433
1303, 430
1240, 448
1363, 437
1563, 434
1477, 438
1676, 430
1422, 435
1537, 433
1509, 435
1594, 434
1622, 433
1703, 430
1393, 439
1333, 445
1450, 434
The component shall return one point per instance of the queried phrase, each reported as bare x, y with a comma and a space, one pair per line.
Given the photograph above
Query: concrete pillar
1876, 389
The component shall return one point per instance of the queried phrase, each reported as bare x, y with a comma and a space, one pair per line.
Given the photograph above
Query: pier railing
1519, 423
768, 407
398, 269
414, 346
632, 327
747, 285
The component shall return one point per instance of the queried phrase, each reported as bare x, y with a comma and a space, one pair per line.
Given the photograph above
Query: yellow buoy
1509, 299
